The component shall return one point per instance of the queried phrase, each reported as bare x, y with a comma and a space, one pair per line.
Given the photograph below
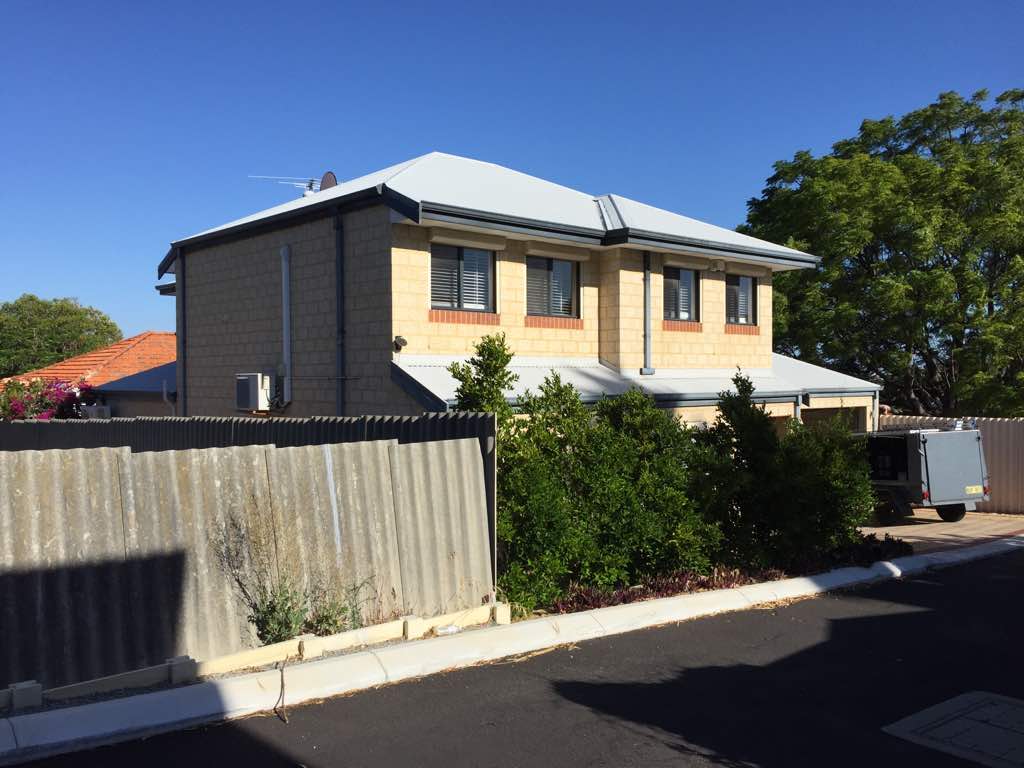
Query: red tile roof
123, 358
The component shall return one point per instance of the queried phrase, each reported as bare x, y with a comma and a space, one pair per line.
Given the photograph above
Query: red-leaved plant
679, 583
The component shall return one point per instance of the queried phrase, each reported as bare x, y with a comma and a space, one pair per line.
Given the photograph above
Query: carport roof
426, 377
162, 378
459, 190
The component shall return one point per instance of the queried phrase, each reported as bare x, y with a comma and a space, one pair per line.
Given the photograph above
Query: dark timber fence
171, 433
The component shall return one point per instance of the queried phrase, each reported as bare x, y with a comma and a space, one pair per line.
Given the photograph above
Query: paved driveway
811, 683
928, 533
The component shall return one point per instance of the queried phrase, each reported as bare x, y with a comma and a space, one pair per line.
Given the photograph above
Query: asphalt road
810, 683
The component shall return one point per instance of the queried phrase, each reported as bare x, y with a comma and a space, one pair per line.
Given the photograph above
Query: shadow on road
801, 709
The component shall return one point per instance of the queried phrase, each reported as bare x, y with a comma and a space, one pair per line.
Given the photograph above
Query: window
740, 300
552, 287
461, 278
682, 294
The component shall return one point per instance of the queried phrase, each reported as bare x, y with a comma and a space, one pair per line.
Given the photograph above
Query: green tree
920, 225
36, 332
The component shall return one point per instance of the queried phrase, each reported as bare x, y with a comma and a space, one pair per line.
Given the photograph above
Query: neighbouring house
354, 299
134, 376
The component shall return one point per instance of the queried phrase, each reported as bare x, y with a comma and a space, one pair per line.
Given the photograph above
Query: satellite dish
329, 180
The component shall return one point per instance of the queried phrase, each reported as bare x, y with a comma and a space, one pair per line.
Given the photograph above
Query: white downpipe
167, 400
286, 321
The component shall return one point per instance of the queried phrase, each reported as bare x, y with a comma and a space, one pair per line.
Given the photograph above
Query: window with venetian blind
461, 278
740, 300
552, 287
682, 294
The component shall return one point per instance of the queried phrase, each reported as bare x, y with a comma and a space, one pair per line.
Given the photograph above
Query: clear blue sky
128, 126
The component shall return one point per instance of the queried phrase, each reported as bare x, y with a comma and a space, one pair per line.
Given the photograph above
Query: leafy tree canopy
919, 222
36, 332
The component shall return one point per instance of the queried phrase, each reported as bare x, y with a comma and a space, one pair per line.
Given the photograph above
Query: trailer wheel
886, 512
952, 513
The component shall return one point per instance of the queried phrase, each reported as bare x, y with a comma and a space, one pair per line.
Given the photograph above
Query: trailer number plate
972, 490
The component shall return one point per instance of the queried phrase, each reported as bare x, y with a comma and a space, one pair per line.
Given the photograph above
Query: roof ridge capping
490, 164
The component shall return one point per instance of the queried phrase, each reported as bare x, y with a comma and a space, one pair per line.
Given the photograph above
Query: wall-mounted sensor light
399, 343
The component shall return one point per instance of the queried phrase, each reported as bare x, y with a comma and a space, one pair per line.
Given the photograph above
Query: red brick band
742, 330
690, 326
543, 321
463, 317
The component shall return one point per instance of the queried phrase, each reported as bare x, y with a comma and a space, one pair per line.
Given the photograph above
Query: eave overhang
381, 194
420, 212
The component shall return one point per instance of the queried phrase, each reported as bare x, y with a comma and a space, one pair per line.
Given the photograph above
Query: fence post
491, 484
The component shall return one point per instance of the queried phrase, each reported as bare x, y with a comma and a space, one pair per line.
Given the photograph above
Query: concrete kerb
24, 737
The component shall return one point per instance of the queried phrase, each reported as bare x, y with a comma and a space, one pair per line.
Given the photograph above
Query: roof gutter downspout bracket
648, 369
339, 320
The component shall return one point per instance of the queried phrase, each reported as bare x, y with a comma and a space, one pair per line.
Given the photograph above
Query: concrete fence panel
1003, 443
334, 511
443, 541
112, 560
185, 501
175, 433
67, 592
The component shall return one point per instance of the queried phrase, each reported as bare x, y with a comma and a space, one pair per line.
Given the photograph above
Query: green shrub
330, 613
246, 551
595, 497
826, 492
485, 380
781, 502
278, 611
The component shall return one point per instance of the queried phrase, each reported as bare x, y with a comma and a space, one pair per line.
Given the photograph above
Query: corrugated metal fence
111, 560
152, 433
1003, 443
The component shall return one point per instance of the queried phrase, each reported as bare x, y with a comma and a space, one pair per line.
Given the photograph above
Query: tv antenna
308, 185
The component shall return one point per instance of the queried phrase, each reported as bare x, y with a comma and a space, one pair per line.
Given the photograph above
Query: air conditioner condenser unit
253, 391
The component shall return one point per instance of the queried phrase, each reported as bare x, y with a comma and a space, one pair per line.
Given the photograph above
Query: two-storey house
357, 298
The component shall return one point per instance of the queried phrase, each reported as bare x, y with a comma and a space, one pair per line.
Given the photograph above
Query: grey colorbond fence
1003, 443
171, 433
109, 559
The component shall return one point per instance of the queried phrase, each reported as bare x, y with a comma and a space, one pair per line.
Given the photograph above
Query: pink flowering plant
44, 399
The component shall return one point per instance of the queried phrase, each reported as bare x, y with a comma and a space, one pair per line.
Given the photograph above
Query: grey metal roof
643, 219
449, 188
786, 379
149, 381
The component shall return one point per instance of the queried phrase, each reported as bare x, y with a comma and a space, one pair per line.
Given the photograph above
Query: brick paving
928, 533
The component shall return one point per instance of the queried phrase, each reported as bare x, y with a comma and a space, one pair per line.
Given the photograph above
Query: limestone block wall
371, 301
456, 333
233, 318
710, 342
